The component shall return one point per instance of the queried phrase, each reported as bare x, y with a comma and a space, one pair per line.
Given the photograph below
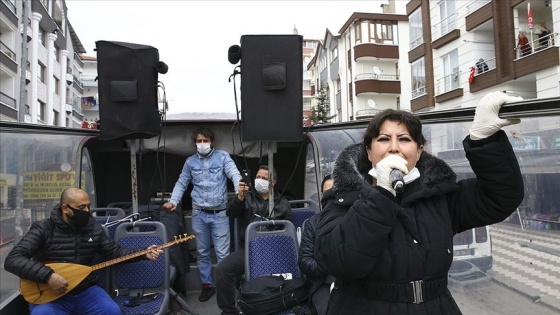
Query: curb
543, 300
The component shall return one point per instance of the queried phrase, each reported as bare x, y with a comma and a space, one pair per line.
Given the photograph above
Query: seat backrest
301, 215
271, 248
103, 275
140, 276
302, 210
304, 204
108, 215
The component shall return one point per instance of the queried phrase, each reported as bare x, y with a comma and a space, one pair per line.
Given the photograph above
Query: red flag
471, 76
530, 16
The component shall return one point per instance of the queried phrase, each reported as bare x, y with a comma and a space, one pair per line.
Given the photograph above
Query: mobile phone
246, 175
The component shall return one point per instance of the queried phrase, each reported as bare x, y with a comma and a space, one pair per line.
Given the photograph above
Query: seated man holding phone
251, 204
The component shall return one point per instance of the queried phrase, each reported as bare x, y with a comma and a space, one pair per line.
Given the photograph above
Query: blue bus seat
141, 276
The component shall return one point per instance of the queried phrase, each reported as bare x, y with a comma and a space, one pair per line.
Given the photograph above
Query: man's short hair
205, 132
265, 167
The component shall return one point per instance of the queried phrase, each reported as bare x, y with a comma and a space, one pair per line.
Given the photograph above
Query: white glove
486, 121
384, 168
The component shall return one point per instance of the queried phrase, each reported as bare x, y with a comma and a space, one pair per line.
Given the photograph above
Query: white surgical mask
203, 148
413, 175
261, 186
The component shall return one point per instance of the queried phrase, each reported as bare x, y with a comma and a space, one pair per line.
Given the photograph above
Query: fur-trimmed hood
352, 165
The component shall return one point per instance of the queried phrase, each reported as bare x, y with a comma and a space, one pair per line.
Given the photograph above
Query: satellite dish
376, 70
371, 103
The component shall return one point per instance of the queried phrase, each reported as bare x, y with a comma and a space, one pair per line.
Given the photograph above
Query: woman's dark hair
205, 132
326, 178
411, 121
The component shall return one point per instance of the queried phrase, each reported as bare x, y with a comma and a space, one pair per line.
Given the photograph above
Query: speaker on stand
128, 82
271, 86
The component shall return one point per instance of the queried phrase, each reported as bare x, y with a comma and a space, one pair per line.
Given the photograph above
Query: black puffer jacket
253, 205
53, 240
316, 276
376, 244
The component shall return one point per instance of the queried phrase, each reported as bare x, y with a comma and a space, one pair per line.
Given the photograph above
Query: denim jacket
208, 175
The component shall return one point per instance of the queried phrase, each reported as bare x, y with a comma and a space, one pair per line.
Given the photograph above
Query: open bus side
35, 162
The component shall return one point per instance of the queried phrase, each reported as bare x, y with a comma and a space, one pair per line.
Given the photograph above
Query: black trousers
228, 276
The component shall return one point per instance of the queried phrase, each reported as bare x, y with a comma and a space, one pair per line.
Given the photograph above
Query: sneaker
207, 292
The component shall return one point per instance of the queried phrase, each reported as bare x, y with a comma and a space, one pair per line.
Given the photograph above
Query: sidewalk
529, 245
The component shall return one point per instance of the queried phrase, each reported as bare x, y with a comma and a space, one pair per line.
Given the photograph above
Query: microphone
397, 180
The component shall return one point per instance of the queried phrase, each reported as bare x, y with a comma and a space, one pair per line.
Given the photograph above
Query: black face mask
80, 217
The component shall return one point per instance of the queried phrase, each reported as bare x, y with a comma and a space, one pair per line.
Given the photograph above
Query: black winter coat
247, 210
53, 240
316, 276
369, 239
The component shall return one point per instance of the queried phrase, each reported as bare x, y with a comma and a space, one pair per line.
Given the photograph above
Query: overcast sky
193, 37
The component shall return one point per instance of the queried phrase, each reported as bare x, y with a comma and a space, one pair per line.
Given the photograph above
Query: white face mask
261, 186
203, 148
413, 175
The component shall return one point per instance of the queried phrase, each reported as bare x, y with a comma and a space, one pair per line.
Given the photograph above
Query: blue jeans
210, 228
93, 301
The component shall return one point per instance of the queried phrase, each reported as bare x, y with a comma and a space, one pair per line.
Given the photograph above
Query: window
450, 66
55, 118
334, 53
56, 86
42, 36
41, 111
358, 32
41, 73
57, 53
382, 32
415, 29
448, 16
418, 78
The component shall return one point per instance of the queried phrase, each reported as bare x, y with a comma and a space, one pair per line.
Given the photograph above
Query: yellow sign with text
47, 184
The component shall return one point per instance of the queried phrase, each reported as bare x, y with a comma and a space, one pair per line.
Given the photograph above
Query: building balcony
69, 76
8, 57
8, 106
377, 83
542, 59
479, 13
376, 51
366, 113
89, 80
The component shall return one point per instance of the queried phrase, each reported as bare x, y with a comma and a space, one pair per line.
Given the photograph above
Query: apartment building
452, 36
40, 64
426, 55
90, 97
360, 68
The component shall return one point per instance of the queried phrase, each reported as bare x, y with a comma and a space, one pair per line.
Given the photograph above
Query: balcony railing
418, 92
374, 76
535, 45
8, 100
490, 65
476, 4
366, 112
416, 42
11, 4
445, 26
7, 51
448, 83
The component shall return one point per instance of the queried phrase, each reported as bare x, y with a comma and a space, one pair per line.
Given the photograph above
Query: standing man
70, 235
250, 205
208, 171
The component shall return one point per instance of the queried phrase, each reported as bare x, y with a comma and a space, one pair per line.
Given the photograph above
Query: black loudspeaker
127, 80
271, 87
